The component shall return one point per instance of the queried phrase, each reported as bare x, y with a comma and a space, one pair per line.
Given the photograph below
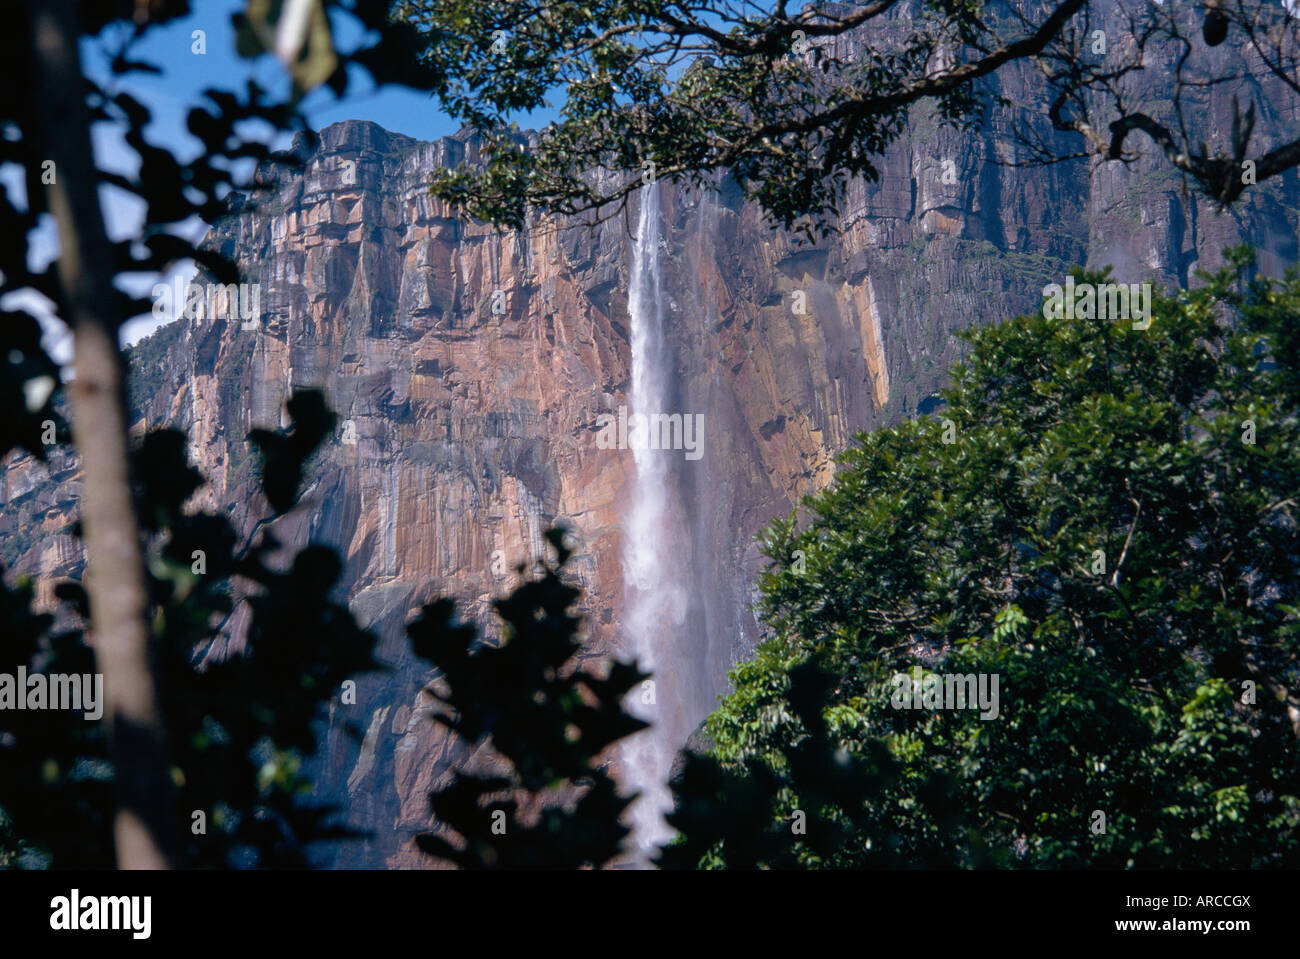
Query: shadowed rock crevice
465, 433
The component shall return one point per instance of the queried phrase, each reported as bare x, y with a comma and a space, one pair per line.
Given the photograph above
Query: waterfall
654, 559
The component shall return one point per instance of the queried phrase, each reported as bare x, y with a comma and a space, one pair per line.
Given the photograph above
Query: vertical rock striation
470, 366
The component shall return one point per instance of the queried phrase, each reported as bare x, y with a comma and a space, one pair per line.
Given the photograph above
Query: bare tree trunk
144, 823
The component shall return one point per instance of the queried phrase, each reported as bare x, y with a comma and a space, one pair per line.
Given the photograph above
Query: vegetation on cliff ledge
1105, 520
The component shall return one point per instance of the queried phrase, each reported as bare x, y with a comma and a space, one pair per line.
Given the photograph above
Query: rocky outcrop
469, 367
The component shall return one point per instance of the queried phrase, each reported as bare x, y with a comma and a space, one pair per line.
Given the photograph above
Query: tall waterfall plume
654, 556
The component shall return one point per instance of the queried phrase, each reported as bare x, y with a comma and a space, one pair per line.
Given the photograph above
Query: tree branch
143, 824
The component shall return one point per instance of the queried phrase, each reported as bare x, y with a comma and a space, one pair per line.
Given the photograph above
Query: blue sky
178, 89
187, 74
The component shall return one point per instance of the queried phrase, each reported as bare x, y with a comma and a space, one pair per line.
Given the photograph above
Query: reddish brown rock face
467, 430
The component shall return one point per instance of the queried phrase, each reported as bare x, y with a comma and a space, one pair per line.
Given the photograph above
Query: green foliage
546, 803
150, 364
719, 89
285, 454
28, 385
232, 126
799, 785
794, 103
1122, 689
242, 723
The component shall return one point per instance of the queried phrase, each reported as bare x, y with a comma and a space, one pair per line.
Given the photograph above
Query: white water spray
656, 597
